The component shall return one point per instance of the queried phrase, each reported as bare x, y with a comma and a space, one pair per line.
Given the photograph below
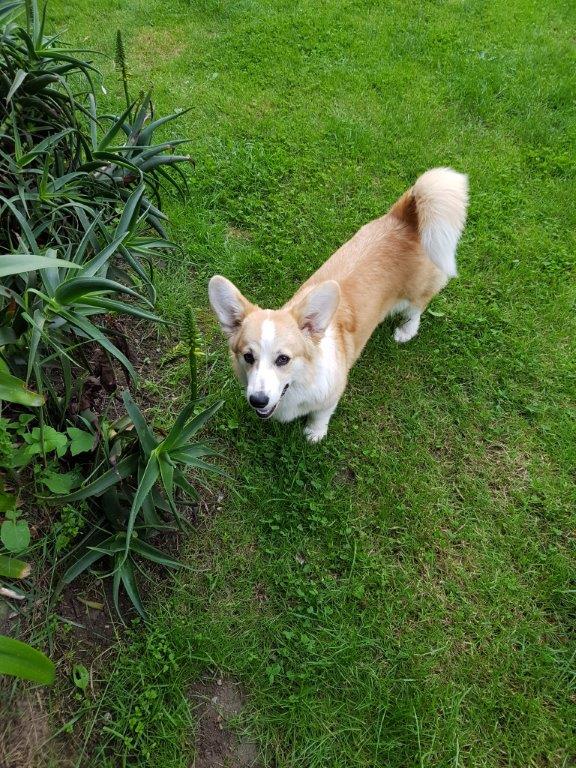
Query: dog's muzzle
265, 413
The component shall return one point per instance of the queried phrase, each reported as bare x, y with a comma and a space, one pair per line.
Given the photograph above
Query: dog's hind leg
409, 327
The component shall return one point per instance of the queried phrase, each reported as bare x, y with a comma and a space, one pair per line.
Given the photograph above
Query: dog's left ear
315, 311
229, 306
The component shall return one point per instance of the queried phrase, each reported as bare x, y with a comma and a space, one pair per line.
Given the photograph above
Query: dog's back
403, 258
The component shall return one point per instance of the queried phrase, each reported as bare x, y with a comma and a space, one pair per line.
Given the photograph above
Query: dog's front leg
317, 424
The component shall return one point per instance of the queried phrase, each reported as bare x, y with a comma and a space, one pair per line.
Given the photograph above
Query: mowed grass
401, 594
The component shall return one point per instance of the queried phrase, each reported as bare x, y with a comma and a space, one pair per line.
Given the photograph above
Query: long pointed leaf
129, 582
130, 211
167, 476
197, 423
16, 263
116, 584
137, 267
149, 515
21, 660
84, 562
145, 434
95, 333
14, 390
18, 80
98, 261
76, 288
146, 134
43, 146
154, 162
199, 464
125, 467
114, 129
149, 477
51, 276
141, 115
38, 321
7, 8
182, 483
93, 121
152, 553
113, 546
125, 309
176, 431
192, 451
26, 229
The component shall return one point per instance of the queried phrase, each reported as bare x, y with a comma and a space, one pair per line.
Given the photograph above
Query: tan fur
294, 343
381, 265
397, 262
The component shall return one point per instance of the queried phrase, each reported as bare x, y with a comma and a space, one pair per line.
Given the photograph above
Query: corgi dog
294, 361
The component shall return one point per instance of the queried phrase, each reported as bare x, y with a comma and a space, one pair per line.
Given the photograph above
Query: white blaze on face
268, 334
263, 378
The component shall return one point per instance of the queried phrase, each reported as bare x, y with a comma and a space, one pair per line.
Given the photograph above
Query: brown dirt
217, 702
102, 389
238, 233
88, 604
24, 733
27, 718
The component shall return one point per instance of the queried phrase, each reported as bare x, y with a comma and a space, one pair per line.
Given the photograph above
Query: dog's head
272, 349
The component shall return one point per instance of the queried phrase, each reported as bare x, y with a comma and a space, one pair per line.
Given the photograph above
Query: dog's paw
314, 433
405, 332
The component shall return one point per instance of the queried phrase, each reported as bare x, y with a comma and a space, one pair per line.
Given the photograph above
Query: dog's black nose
259, 400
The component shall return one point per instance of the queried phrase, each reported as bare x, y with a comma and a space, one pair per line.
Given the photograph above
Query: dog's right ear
229, 306
315, 311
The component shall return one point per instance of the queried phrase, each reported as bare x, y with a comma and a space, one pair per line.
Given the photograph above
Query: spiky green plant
192, 341
77, 186
61, 163
138, 494
80, 201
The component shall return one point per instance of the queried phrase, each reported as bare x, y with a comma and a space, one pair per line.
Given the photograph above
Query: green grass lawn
399, 595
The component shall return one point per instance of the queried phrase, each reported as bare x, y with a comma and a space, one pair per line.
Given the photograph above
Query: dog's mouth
265, 413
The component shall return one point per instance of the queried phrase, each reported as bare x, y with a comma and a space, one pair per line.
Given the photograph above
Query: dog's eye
249, 357
282, 360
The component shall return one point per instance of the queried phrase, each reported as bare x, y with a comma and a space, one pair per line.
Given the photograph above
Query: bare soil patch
24, 732
217, 703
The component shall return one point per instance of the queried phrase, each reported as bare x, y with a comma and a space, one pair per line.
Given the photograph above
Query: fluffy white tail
441, 197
